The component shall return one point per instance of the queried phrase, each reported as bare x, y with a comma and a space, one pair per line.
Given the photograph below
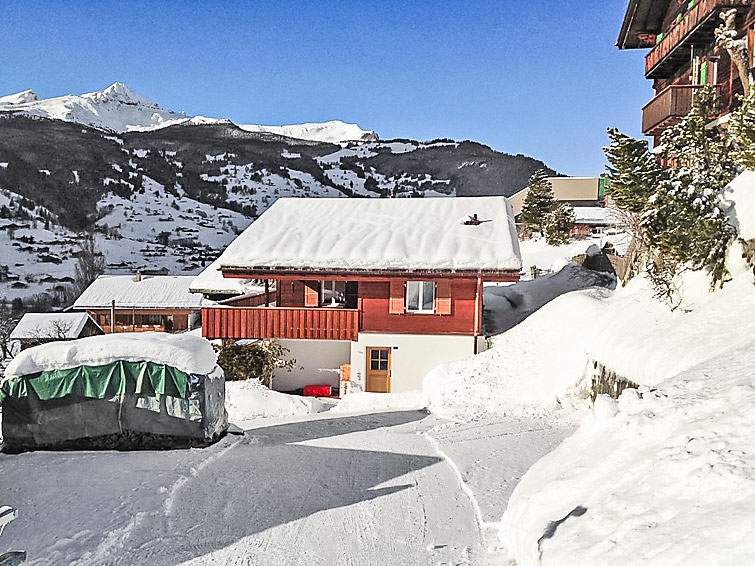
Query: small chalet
39, 328
594, 220
392, 287
125, 303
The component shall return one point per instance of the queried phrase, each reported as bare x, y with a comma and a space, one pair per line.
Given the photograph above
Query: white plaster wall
318, 362
412, 356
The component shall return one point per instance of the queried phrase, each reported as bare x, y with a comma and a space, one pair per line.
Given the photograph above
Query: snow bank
249, 400
535, 367
359, 402
187, 353
662, 477
506, 306
742, 192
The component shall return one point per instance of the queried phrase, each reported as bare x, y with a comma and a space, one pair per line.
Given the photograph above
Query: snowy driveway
365, 489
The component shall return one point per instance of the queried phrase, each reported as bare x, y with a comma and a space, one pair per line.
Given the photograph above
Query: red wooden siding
291, 293
375, 299
280, 322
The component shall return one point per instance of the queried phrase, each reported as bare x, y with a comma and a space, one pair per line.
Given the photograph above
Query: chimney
138, 276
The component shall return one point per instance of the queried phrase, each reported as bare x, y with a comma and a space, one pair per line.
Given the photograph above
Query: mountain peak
119, 92
19, 98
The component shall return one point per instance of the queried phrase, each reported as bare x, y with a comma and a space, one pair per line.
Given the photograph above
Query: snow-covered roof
190, 354
212, 282
596, 215
424, 234
52, 325
159, 292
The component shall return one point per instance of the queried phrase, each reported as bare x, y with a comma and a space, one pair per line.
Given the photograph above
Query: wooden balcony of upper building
695, 28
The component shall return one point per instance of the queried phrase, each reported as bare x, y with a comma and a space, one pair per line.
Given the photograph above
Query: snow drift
249, 400
665, 475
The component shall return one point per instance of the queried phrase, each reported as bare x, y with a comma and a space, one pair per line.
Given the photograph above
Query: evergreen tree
558, 225
682, 218
539, 202
633, 171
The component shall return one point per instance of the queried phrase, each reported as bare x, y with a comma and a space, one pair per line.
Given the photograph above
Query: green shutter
691, 4
704, 73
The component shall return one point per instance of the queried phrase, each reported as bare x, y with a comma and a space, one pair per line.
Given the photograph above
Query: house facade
392, 287
136, 303
683, 57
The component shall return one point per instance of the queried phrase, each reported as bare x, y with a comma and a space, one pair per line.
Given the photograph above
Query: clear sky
539, 77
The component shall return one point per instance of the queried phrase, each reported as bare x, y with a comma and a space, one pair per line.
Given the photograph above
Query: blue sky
542, 78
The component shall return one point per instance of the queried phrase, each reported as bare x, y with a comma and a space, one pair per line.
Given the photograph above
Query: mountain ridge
119, 109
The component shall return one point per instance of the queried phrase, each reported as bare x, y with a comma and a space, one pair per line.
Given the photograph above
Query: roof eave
263, 272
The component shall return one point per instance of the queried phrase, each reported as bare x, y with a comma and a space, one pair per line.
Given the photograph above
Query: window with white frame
332, 293
420, 296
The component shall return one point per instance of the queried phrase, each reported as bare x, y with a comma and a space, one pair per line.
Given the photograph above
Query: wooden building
683, 56
40, 328
392, 287
126, 303
575, 191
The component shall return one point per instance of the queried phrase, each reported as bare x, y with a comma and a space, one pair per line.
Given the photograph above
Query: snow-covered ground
359, 489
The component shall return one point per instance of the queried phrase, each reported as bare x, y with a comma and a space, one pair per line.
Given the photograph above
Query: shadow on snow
168, 507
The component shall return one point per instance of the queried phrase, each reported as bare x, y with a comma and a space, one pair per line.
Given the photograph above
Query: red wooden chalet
391, 286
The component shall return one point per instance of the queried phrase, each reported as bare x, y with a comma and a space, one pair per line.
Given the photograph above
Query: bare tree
8, 321
56, 330
90, 265
726, 37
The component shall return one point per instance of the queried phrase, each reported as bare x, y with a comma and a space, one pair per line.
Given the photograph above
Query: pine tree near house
539, 202
680, 222
682, 219
633, 171
558, 225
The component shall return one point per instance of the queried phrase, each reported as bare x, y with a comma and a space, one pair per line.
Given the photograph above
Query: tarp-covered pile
114, 391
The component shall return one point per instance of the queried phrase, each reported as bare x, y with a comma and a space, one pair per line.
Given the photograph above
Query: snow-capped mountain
119, 109
334, 131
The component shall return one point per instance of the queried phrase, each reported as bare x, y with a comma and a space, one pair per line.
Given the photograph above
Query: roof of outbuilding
60, 325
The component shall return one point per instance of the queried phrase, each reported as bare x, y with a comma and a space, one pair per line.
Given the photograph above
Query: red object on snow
317, 391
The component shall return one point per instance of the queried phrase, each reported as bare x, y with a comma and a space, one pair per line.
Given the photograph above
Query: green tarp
100, 382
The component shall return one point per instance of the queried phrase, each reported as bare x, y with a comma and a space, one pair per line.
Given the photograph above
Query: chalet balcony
695, 28
668, 108
280, 322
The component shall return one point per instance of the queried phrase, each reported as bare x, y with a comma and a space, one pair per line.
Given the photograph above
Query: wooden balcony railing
668, 107
703, 12
280, 322
134, 328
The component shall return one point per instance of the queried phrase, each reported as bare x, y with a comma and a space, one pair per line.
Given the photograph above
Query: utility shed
40, 328
160, 303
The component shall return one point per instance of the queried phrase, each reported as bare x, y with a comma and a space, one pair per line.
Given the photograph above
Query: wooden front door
379, 370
